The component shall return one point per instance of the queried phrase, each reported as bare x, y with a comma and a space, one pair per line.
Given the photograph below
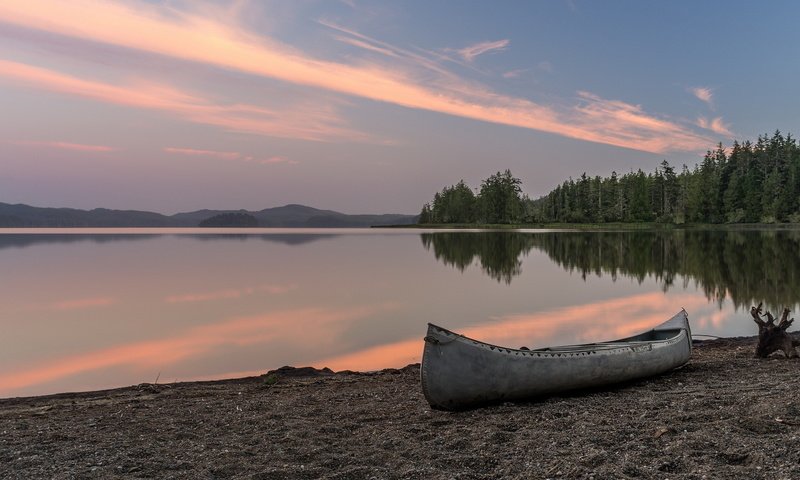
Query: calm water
96, 310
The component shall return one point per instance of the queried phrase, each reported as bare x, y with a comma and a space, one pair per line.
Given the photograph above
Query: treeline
748, 183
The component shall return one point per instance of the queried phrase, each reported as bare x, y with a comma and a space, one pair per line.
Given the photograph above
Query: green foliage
455, 204
270, 380
498, 201
747, 183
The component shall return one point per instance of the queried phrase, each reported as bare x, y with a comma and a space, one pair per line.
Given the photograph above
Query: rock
288, 372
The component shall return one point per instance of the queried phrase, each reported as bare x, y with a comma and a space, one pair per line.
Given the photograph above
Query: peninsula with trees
747, 183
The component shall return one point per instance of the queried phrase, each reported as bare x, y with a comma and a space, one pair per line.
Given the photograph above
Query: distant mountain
22, 216
26, 216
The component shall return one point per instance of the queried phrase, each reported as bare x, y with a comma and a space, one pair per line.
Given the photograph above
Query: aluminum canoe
459, 372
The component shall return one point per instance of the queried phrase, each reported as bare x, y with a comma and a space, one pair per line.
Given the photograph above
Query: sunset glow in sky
371, 107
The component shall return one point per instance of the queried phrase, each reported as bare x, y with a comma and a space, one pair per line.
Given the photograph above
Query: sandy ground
724, 415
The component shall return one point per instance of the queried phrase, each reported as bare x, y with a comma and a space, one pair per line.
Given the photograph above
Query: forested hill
26, 216
747, 183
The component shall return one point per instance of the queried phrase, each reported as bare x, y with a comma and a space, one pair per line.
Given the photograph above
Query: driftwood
772, 337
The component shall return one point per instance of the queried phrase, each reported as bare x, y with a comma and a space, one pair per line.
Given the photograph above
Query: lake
93, 309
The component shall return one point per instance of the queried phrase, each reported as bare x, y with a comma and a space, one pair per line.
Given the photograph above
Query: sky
373, 106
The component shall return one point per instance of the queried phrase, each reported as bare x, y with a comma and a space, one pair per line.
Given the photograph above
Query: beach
726, 414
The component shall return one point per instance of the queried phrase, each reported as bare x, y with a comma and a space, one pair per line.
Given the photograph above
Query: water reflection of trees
497, 252
747, 266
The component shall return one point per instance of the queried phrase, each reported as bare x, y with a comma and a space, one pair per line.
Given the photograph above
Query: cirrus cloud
473, 51
214, 40
194, 152
309, 121
78, 147
715, 125
203, 153
703, 94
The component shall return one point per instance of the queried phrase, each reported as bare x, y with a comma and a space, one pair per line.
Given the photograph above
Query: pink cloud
471, 52
399, 55
192, 152
203, 153
79, 147
309, 121
703, 94
628, 125
209, 40
279, 159
715, 125
366, 46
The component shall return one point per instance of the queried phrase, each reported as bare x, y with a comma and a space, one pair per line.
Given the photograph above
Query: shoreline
725, 415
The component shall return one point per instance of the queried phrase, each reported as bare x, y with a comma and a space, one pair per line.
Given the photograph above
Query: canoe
459, 372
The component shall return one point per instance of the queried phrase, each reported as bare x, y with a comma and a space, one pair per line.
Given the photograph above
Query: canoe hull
459, 372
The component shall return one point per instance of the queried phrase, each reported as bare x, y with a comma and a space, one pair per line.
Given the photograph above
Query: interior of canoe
649, 336
653, 335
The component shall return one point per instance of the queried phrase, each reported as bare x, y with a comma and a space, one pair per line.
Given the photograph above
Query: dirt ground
724, 415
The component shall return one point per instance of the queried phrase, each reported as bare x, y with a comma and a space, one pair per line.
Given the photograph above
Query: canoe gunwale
680, 334
591, 348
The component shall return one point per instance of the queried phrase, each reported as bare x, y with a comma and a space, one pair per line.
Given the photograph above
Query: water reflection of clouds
322, 328
714, 319
393, 355
82, 303
230, 293
67, 305
600, 321
225, 294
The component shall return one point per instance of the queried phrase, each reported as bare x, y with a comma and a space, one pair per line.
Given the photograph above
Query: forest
746, 183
